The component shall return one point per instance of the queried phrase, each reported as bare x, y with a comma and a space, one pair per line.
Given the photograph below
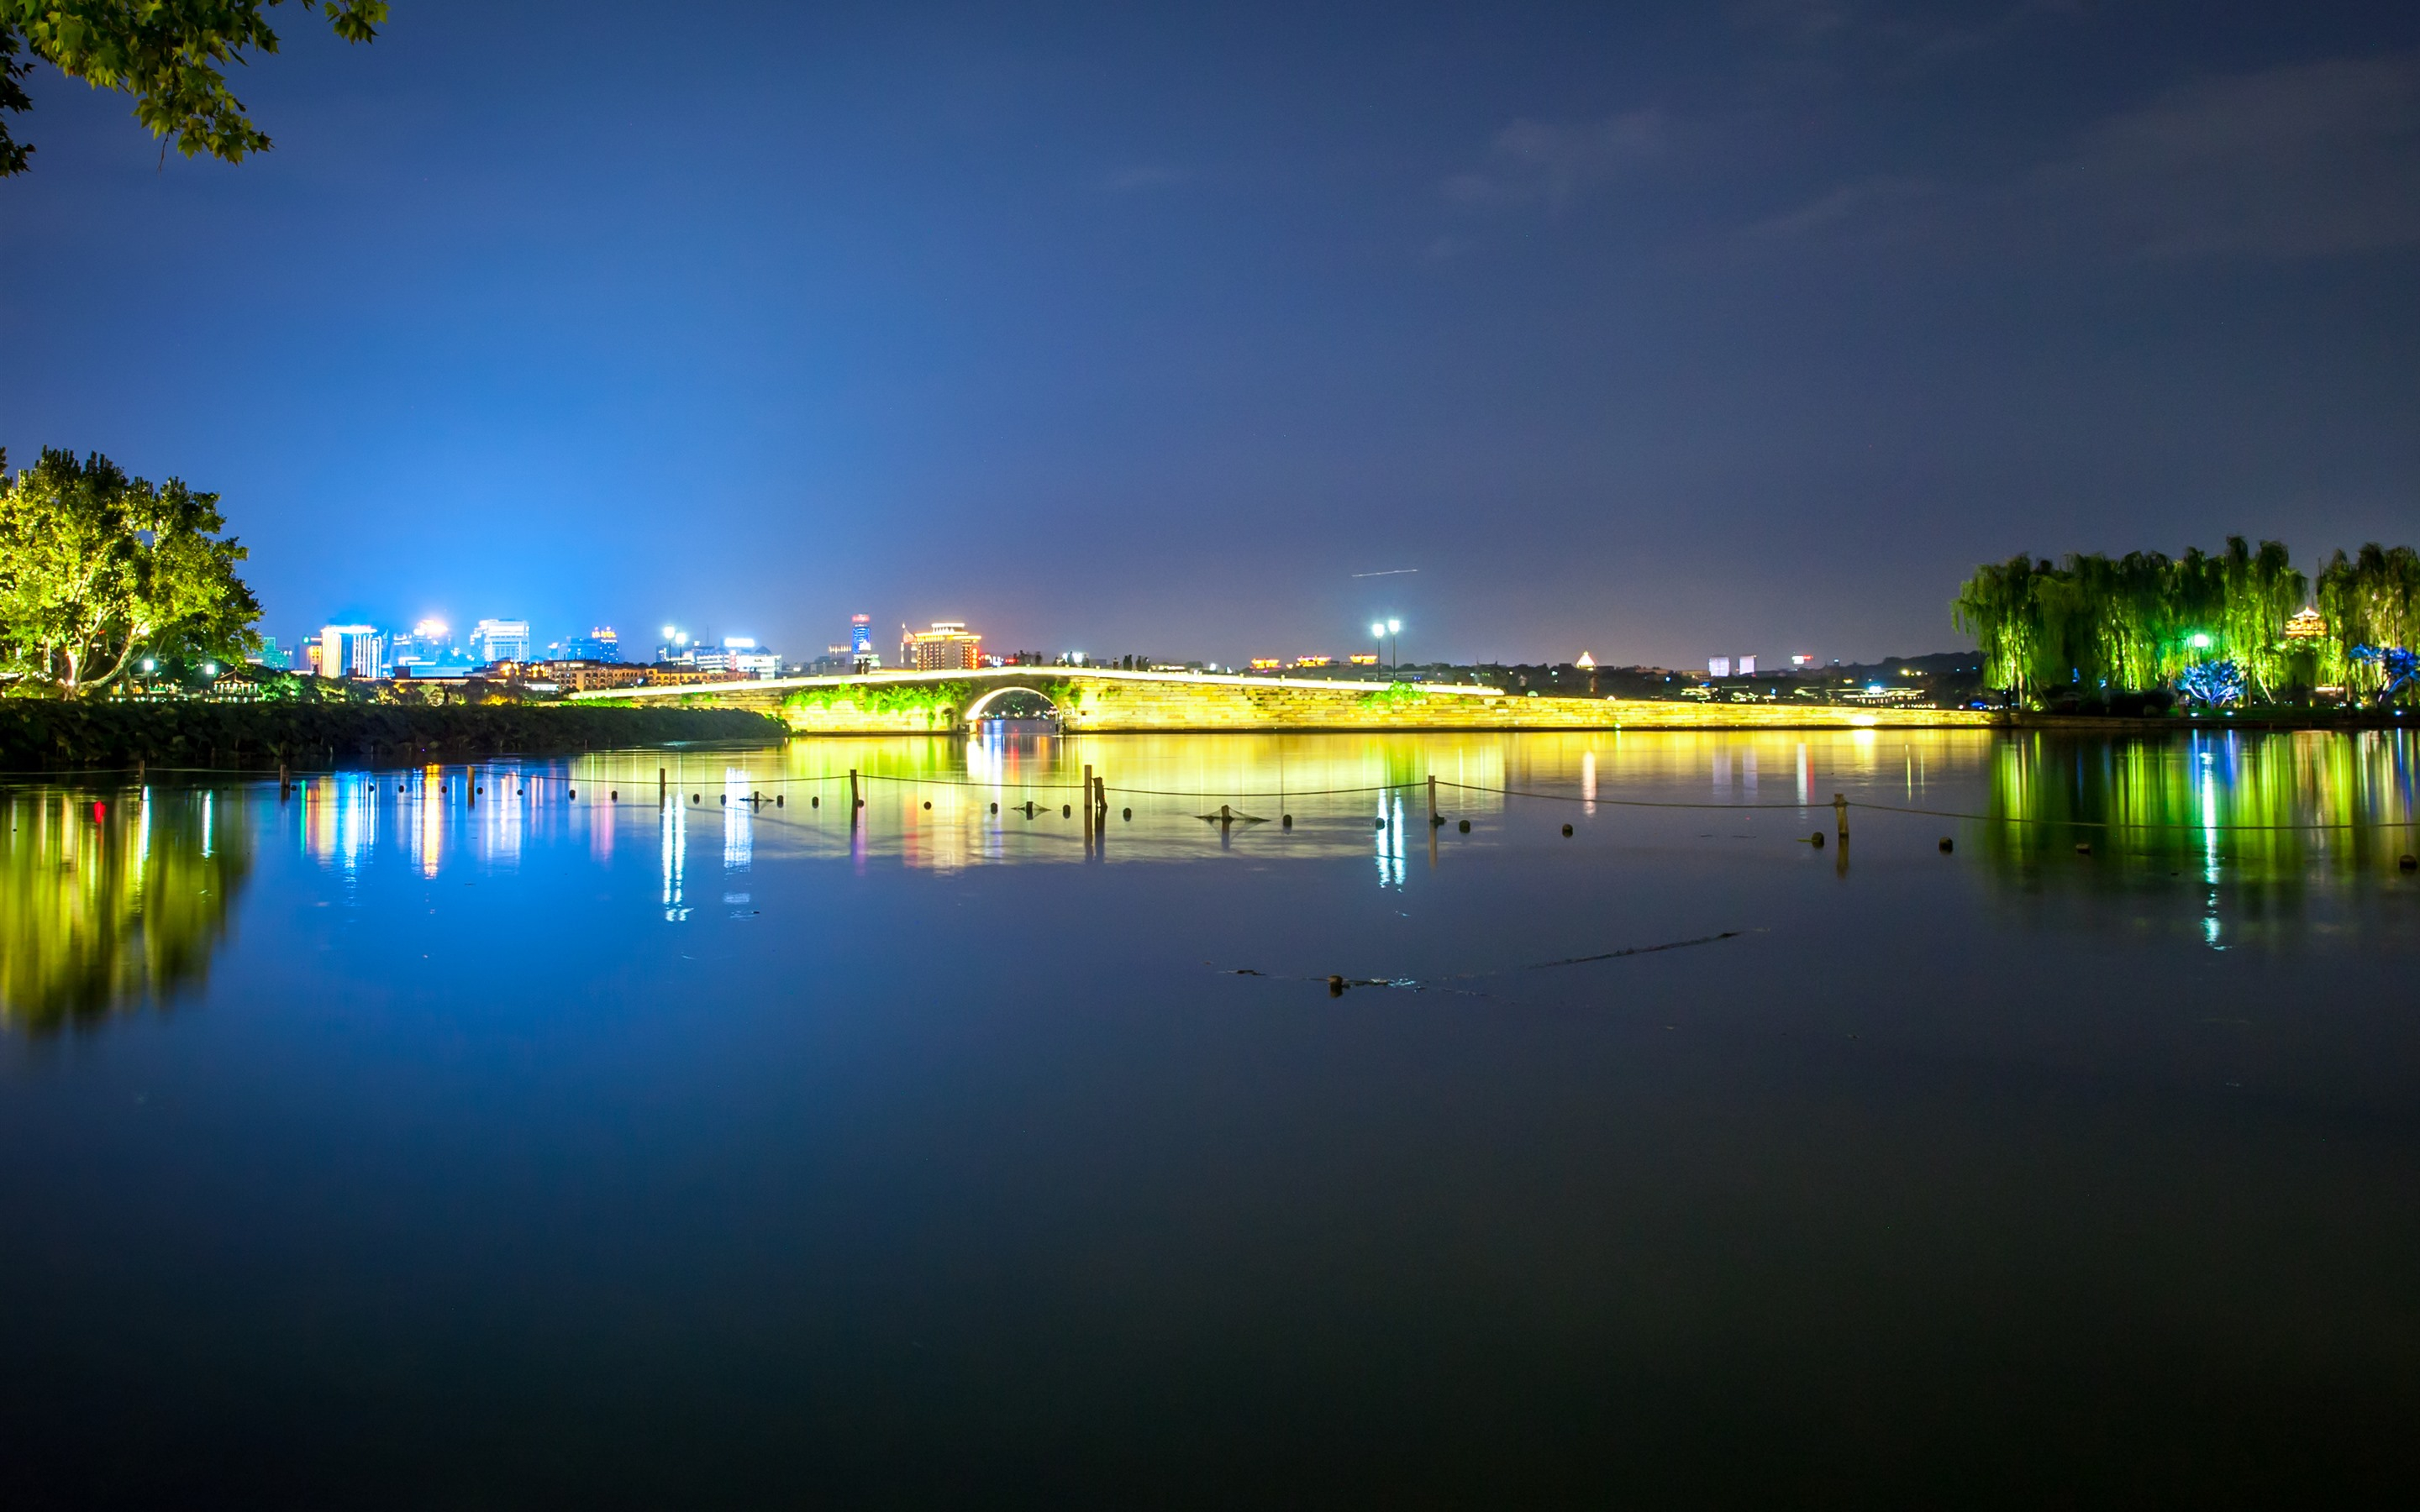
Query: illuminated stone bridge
1104, 700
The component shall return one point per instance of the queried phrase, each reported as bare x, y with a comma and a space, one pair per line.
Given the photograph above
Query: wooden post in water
659, 787
1841, 816
1088, 806
854, 802
1434, 818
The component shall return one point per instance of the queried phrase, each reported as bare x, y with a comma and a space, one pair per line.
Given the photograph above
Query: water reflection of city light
671, 826
340, 820
428, 812
1390, 839
738, 821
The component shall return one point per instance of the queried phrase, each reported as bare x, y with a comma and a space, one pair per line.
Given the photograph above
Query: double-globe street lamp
1380, 630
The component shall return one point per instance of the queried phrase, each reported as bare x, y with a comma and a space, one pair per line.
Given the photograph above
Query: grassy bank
40, 737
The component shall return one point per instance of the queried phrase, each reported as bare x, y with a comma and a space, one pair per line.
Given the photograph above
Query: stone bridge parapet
1104, 701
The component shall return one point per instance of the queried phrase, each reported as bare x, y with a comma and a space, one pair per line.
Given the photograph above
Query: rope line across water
761, 783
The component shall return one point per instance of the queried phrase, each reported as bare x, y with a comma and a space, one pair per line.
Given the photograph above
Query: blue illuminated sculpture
2213, 683
2397, 669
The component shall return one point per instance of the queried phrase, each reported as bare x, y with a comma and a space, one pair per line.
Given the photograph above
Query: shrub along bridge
1104, 700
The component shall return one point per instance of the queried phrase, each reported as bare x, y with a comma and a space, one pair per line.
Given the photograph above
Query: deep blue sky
1657, 331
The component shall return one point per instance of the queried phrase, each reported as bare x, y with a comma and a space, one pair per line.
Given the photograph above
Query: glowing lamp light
1393, 626
2200, 640
1377, 629
147, 664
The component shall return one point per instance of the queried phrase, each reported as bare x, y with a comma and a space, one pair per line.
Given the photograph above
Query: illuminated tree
2372, 600
2133, 624
167, 54
96, 569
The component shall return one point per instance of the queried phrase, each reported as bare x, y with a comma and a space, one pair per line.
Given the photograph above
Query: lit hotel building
945, 647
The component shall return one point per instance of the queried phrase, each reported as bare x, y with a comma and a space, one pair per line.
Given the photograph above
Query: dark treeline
40, 735
2094, 626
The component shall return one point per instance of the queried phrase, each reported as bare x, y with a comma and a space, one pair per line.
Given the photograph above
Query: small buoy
1067, 811
1382, 824
1466, 826
516, 791
1285, 821
725, 800
1946, 846
1335, 986
572, 793
693, 797
994, 808
1436, 821
1816, 839
2084, 847
1127, 815
777, 800
1567, 831
861, 803
815, 800
929, 803
475, 791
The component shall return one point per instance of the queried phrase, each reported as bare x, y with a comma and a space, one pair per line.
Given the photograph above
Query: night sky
1654, 331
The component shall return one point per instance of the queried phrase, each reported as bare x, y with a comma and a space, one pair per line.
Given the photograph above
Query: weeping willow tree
2132, 624
2370, 599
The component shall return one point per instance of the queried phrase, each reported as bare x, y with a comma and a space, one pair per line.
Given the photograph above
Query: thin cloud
2308, 161
2313, 160
1866, 202
1534, 162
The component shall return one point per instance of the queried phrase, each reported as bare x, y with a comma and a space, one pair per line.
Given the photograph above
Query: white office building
351, 651
499, 640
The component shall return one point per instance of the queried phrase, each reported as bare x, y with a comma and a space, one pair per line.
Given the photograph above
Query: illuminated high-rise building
351, 651
861, 644
945, 647
599, 644
425, 646
499, 640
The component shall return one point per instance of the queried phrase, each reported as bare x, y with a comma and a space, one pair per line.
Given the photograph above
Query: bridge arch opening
1013, 703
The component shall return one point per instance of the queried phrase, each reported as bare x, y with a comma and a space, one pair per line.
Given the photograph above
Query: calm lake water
390, 1144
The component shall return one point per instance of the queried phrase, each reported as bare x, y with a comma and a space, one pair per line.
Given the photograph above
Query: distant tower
860, 644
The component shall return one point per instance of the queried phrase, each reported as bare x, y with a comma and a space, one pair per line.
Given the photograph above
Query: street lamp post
1378, 634
1395, 650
